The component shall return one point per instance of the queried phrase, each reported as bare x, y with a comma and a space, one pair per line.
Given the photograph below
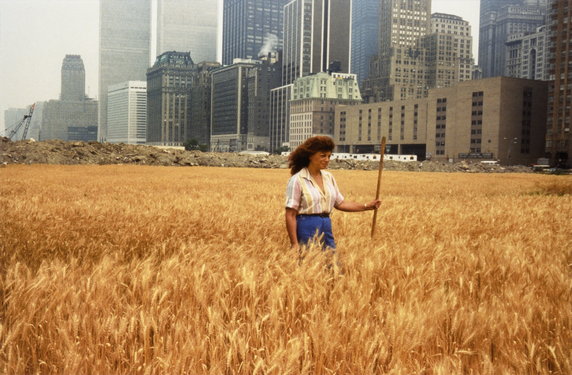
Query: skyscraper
127, 112
240, 104
527, 55
449, 56
124, 47
316, 39
559, 124
316, 34
74, 116
169, 83
73, 78
229, 118
201, 103
499, 19
188, 25
251, 28
399, 71
365, 34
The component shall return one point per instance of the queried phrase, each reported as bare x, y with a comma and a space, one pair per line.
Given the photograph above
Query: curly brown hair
300, 157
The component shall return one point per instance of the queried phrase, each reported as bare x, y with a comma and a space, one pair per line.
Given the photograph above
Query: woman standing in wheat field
312, 194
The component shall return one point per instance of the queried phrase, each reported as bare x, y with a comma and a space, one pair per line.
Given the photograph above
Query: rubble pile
68, 153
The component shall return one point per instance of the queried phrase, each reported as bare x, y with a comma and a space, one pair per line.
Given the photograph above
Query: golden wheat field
161, 270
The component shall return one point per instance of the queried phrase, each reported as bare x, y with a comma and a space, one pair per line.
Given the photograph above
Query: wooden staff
382, 154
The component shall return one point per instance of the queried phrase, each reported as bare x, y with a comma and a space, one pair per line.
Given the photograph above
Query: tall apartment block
169, 83
316, 39
527, 55
399, 71
365, 36
313, 103
188, 25
499, 19
251, 28
559, 122
127, 112
497, 118
449, 56
73, 78
124, 47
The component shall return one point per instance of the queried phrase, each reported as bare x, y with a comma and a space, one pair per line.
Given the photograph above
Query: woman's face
320, 159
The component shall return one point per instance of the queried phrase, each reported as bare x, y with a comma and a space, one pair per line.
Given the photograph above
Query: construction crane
25, 122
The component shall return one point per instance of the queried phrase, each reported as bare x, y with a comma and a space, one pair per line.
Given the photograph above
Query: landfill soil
73, 153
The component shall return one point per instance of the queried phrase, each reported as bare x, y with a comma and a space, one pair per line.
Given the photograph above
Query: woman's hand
373, 205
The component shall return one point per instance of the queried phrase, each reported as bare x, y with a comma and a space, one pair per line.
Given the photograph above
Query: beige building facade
313, 103
449, 51
499, 118
399, 71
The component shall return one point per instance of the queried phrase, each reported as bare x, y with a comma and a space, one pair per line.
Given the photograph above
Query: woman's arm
291, 226
358, 207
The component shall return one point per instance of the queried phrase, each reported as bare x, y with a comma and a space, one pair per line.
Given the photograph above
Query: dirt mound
61, 152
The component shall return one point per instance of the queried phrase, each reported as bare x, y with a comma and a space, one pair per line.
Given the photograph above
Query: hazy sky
35, 36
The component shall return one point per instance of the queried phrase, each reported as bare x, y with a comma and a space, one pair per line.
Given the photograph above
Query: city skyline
32, 55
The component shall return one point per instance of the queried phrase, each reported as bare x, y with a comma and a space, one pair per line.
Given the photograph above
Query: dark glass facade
251, 28
365, 35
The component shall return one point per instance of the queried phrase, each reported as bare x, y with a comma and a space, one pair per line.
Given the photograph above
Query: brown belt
323, 214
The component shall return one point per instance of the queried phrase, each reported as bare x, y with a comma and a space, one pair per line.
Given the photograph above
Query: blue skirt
309, 226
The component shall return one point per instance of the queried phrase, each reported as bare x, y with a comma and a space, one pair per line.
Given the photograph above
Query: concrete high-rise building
559, 122
74, 116
365, 35
317, 38
314, 98
69, 120
188, 25
240, 105
316, 34
127, 112
449, 56
527, 55
266, 76
251, 28
200, 130
73, 79
124, 47
399, 71
499, 19
169, 83
229, 111
280, 117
